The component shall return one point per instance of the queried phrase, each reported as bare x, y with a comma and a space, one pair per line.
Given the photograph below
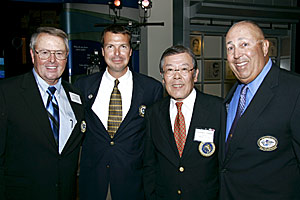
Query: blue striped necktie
53, 112
239, 112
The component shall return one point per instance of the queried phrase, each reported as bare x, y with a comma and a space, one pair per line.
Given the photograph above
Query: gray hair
51, 31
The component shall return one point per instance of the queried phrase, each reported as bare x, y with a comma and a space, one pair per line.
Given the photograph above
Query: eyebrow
239, 39
171, 65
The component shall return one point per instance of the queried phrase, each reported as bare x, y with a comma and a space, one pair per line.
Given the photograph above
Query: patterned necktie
53, 112
179, 129
239, 112
115, 111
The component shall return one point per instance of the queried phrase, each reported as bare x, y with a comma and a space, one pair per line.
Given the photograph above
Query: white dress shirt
67, 119
101, 104
186, 109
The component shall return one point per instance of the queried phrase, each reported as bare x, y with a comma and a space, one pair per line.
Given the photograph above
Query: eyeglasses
183, 71
45, 54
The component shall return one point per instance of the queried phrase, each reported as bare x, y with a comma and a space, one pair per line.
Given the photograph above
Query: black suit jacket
117, 161
249, 171
193, 176
30, 165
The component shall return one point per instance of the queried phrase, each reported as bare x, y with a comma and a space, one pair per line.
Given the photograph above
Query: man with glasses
182, 130
41, 125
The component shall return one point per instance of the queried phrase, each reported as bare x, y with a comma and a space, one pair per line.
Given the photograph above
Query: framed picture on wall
272, 47
195, 44
212, 69
229, 75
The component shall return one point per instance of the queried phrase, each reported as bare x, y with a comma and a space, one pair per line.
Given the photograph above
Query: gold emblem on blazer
142, 110
207, 149
83, 126
267, 143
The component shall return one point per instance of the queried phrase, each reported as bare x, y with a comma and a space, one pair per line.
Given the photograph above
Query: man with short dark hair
111, 163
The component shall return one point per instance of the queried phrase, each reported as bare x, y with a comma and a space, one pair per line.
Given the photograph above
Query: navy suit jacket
262, 161
30, 166
116, 161
193, 176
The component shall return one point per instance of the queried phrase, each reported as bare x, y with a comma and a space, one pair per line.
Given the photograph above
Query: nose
52, 57
117, 51
177, 74
237, 53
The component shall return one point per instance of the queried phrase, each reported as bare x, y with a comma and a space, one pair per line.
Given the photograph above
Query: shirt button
181, 169
112, 143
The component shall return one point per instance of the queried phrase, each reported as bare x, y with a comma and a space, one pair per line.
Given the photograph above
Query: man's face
179, 85
116, 51
246, 51
49, 69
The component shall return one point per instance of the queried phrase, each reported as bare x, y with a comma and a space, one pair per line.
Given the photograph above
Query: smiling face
49, 69
179, 86
246, 51
116, 51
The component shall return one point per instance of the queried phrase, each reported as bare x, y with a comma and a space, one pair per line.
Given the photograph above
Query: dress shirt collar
188, 102
43, 85
254, 85
123, 78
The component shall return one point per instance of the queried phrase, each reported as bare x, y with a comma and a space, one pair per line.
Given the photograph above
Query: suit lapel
90, 97
259, 102
35, 103
165, 134
136, 102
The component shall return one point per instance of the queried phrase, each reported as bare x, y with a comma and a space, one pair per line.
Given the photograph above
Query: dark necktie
115, 110
53, 112
179, 129
239, 111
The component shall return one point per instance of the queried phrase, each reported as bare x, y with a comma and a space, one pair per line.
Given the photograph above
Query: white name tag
75, 97
204, 135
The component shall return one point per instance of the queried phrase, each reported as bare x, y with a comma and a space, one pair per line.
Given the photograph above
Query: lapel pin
142, 110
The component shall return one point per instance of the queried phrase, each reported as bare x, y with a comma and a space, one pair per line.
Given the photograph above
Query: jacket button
112, 143
178, 191
224, 170
181, 169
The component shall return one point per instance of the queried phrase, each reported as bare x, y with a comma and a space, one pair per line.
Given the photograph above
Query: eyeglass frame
51, 52
183, 71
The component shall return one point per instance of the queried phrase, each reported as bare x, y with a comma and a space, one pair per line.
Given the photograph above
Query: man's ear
265, 47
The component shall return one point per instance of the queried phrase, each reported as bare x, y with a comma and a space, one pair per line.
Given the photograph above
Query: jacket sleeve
295, 129
3, 132
149, 162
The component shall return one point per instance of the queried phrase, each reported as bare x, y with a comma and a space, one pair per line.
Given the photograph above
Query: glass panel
285, 64
227, 87
198, 86
212, 69
195, 45
285, 47
272, 47
212, 46
200, 70
228, 73
214, 89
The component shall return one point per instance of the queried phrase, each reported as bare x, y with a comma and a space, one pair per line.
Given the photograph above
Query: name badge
204, 135
75, 97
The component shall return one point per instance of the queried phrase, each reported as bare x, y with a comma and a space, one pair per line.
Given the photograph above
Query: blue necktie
53, 112
239, 112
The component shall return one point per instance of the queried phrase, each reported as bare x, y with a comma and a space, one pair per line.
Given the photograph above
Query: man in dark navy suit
37, 162
111, 163
259, 152
182, 132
